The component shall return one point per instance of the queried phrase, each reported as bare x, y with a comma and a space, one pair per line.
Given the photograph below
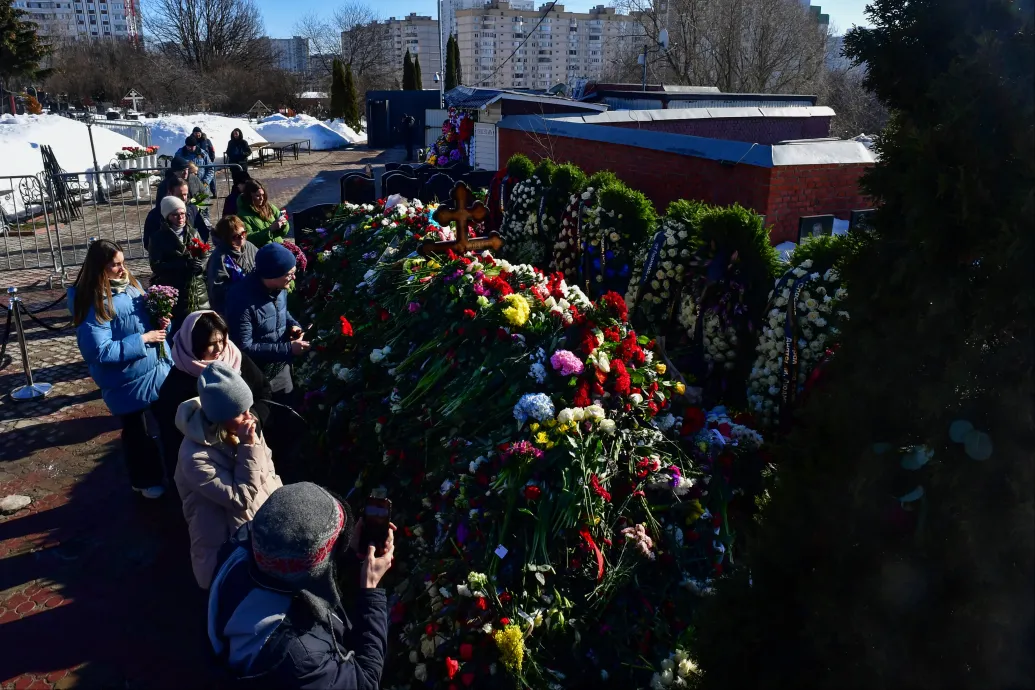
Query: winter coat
128, 371
199, 158
206, 144
259, 321
221, 486
172, 265
195, 218
194, 187
221, 276
260, 231
230, 203
179, 386
272, 639
238, 151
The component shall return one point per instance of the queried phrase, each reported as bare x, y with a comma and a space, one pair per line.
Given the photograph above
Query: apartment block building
504, 47
291, 54
92, 19
420, 35
451, 7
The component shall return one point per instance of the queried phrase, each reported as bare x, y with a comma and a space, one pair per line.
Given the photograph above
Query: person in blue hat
259, 320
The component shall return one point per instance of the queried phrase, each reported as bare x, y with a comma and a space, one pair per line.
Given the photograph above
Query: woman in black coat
173, 264
201, 340
237, 150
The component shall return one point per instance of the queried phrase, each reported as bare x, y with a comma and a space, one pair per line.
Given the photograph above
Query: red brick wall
796, 191
757, 130
782, 194
662, 176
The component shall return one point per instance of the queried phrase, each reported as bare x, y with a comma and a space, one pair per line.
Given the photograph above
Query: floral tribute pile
561, 505
801, 327
601, 231
532, 219
454, 144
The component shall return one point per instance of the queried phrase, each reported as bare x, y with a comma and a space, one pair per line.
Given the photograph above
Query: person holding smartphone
276, 615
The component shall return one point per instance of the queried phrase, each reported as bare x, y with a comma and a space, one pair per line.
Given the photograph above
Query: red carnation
452, 667
346, 327
504, 621
505, 598
693, 421
630, 351
582, 398
532, 492
470, 313
481, 603
622, 382
594, 481
616, 305
587, 341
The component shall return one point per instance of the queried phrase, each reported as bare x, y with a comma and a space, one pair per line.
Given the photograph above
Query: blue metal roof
472, 98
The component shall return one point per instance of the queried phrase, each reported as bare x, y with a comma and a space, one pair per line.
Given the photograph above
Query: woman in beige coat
225, 471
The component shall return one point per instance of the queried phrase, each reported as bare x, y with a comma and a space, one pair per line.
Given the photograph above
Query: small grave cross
465, 217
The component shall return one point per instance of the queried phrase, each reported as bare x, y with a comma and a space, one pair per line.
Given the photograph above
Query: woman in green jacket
265, 222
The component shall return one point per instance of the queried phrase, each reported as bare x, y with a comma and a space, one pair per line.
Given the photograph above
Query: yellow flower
434, 264
511, 643
550, 423
534, 426
660, 368
541, 438
680, 387
563, 428
550, 445
517, 310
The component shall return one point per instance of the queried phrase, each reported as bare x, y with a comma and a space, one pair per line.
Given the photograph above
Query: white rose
420, 672
607, 426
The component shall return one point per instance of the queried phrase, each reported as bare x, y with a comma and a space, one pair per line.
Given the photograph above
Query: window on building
573, 52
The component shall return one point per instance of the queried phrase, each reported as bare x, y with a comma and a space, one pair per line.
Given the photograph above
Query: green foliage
408, 74
633, 213
21, 49
418, 80
520, 167
351, 110
456, 61
736, 228
852, 586
339, 89
826, 251
544, 171
450, 75
567, 179
602, 178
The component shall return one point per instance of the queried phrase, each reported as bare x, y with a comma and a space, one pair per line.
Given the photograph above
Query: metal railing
48, 220
139, 133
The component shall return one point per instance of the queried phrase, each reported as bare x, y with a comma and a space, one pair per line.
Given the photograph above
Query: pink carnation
566, 363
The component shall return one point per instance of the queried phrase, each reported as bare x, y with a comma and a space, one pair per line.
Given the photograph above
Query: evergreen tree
450, 72
418, 80
897, 547
339, 89
351, 111
459, 75
21, 50
408, 82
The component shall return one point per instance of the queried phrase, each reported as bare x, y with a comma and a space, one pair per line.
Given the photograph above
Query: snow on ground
323, 135
169, 131
22, 135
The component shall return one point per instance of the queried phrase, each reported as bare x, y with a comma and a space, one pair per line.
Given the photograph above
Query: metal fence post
31, 390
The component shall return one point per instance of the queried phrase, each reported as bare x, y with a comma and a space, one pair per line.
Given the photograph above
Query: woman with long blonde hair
121, 349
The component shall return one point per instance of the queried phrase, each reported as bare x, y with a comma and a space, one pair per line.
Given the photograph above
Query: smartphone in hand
377, 514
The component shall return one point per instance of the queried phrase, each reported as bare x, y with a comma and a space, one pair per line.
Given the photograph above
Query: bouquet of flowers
161, 299
201, 200
196, 249
454, 144
300, 259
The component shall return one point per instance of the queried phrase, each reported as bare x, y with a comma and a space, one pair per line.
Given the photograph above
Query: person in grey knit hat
224, 471
276, 615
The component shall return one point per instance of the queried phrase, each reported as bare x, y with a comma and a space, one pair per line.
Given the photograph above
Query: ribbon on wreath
584, 533
544, 245
789, 370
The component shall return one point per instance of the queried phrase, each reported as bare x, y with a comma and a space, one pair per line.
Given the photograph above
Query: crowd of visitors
205, 396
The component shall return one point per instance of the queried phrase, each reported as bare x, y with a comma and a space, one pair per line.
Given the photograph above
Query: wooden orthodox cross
465, 217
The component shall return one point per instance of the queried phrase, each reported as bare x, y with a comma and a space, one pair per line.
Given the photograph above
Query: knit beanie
223, 393
179, 163
294, 533
274, 260
190, 141
170, 204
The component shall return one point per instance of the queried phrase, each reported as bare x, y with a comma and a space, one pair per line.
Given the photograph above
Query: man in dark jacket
192, 152
260, 324
407, 125
206, 145
195, 217
275, 613
178, 170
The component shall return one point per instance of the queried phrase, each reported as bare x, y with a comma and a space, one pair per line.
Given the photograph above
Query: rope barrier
32, 389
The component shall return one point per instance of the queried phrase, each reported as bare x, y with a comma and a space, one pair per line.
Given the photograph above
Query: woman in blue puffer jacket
122, 351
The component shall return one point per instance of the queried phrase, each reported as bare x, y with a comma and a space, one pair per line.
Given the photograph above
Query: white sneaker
151, 491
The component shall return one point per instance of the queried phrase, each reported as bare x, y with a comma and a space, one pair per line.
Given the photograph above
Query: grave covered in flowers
562, 504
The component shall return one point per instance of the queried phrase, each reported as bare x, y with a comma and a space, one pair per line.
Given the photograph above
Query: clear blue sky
281, 15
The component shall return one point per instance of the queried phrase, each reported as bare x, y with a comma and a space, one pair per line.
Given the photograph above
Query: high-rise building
535, 49
291, 54
94, 19
419, 34
451, 7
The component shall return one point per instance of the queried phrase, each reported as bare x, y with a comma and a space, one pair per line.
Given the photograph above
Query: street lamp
663, 46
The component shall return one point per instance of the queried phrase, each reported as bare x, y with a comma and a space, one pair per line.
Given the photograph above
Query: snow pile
275, 117
323, 135
20, 140
866, 140
169, 131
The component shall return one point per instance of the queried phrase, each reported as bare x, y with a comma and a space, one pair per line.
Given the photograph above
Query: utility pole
643, 86
99, 196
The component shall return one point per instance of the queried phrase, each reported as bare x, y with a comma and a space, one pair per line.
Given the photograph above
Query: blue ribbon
653, 256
